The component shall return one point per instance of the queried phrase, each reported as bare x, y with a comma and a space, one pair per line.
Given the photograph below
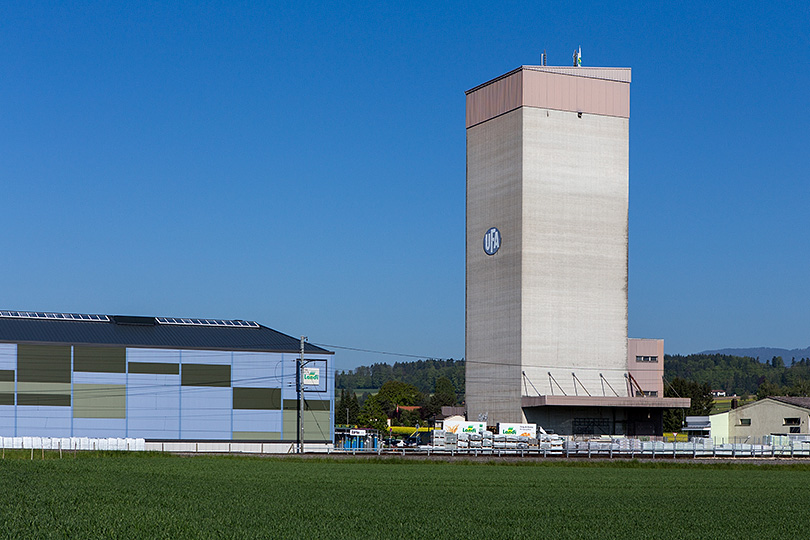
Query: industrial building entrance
587, 416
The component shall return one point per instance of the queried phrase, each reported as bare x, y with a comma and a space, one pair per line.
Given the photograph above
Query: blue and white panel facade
256, 371
8, 365
206, 411
153, 399
159, 394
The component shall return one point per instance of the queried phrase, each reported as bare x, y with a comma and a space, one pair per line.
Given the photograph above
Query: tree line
422, 374
429, 384
742, 375
408, 393
402, 402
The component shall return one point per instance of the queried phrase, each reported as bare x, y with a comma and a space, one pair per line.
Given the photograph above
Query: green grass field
149, 496
723, 404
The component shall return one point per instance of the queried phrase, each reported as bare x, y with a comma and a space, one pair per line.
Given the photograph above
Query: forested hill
742, 375
422, 374
764, 354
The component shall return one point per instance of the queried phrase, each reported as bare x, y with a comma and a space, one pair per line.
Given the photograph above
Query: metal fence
622, 450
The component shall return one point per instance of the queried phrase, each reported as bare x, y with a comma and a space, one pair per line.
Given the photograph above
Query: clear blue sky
303, 164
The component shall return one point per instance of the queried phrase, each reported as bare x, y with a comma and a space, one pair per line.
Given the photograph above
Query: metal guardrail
602, 450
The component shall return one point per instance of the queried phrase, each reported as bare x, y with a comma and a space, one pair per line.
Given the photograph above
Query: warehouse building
158, 378
547, 244
754, 422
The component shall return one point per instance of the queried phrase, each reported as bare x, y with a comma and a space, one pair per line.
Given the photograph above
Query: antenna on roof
543, 58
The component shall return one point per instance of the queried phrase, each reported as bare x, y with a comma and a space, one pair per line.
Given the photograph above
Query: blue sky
303, 164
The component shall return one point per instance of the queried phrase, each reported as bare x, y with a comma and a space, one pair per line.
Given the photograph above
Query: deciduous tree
701, 404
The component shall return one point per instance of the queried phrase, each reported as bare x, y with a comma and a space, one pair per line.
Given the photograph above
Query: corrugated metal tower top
605, 73
582, 90
614, 74
156, 332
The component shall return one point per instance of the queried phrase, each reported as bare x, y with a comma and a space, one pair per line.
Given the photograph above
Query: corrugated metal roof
790, 400
697, 423
174, 336
604, 73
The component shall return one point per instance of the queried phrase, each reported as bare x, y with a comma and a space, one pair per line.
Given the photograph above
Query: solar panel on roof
104, 318
53, 316
207, 322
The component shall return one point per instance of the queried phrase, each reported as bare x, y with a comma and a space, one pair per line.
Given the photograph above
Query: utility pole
299, 364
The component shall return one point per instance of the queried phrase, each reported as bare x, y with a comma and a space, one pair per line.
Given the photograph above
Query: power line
357, 349
483, 362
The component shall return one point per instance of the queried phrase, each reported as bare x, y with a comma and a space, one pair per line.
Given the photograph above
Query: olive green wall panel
57, 400
288, 424
317, 425
43, 363
43, 393
100, 359
205, 375
257, 398
309, 404
43, 388
99, 401
316, 405
256, 436
154, 368
6, 375
6, 398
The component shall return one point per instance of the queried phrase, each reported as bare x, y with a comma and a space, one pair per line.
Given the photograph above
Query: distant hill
764, 354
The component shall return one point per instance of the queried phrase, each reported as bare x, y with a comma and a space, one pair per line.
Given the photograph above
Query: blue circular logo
492, 241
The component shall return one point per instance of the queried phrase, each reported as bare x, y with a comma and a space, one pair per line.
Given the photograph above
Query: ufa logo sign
492, 241
312, 375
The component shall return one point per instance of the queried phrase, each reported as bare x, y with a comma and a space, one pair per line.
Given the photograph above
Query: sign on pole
312, 376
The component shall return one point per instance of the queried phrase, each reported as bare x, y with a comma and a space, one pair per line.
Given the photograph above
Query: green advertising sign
312, 376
